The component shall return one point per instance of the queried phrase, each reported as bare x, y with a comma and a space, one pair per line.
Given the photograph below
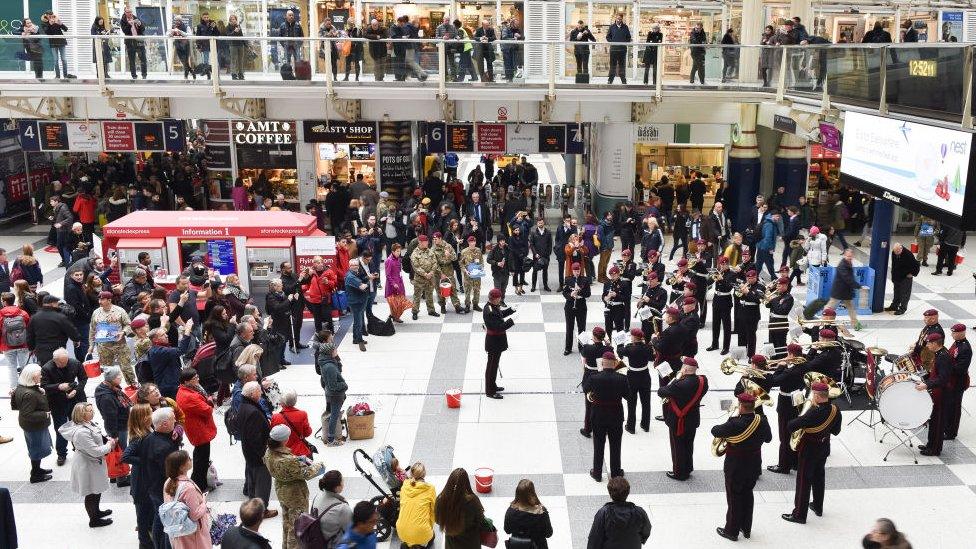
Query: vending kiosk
251, 244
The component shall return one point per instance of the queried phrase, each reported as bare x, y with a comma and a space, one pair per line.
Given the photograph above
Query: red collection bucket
914, 247
482, 480
93, 368
446, 288
453, 398
959, 258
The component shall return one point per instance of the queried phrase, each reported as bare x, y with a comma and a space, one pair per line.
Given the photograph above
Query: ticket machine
128, 250
264, 258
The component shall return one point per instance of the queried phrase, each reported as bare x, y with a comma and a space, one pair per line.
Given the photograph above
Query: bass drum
901, 404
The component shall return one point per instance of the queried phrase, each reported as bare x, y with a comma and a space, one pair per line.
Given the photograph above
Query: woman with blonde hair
415, 526
34, 417
527, 520
575, 252
26, 267
250, 355
88, 476
179, 487
25, 298
139, 427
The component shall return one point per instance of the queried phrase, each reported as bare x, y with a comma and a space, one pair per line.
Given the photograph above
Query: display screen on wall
923, 168
267, 156
96, 136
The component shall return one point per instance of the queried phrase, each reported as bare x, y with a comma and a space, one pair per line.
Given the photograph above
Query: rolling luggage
303, 70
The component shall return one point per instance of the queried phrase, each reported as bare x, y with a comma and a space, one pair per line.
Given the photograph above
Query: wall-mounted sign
491, 138
655, 133
218, 157
264, 132
396, 153
216, 131
830, 137
97, 136
119, 136
330, 131
552, 138
149, 136
460, 137
784, 124
575, 139
434, 137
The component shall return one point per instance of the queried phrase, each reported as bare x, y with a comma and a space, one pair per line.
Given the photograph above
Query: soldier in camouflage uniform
445, 255
472, 286
291, 474
425, 276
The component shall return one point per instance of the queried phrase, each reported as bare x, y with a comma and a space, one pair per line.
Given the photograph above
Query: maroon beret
931, 312
637, 332
609, 356
689, 361
682, 262
105, 295
958, 327
828, 333
758, 359
495, 293
422, 238
599, 331
934, 337
746, 397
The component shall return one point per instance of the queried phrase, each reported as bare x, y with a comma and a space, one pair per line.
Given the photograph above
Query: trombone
812, 346
804, 323
730, 366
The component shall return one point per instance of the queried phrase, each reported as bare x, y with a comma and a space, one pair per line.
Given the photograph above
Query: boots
37, 474
96, 517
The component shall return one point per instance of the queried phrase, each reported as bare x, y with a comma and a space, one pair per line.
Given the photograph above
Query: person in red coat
317, 284
84, 209
342, 259
297, 421
200, 429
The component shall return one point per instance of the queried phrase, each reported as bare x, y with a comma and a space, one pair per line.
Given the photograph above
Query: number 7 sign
575, 139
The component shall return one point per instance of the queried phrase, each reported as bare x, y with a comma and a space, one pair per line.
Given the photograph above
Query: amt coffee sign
264, 132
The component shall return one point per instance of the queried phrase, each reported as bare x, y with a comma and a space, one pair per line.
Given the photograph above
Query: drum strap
744, 435
825, 424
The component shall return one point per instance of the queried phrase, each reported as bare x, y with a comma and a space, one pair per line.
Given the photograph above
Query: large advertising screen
924, 168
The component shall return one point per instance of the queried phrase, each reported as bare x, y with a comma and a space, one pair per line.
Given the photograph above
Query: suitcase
286, 72
582, 78
203, 69
303, 70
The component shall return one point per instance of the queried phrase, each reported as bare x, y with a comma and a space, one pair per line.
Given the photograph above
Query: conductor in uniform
937, 384
496, 342
780, 306
789, 380
818, 423
744, 434
722, 305
682, 417
606, 390
575, 290
638, 355
962, 355
590, 354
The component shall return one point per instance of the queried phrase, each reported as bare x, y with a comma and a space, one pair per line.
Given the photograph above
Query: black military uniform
496, 342
658, 268
638, 355
742, 467
682, 418
291, 286
591, 353
722, 310
614, 307
607, 389
691, 323
628, 275
678, 288
788, 380
826, 361
575, 308
668, 345
938, 381
812, 457
747, 322
656, 298
962, 355
779, 310
763, 382
740, 278
699, 275
924, 333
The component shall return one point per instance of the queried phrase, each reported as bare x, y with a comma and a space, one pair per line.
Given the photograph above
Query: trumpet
714, 274
664, 401
674, 278
789, 361
729, 366
769, 295
742, 289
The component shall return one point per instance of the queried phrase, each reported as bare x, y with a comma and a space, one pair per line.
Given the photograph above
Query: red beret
691, 286
599, 331
746, 253
472, 238
495, 293
689, 361
682, 262
652, 275
652, 253
637, 332
828, 333
931, 312
820, 387
752, 273
576, 266
672, 311
614, 270
829, 311
416, 192
723, 260
105, 295
746, 397
958, 327
934, 337
137, 323
758, 359
783, 280
689, 301
609, 356
422, 238
626, 253
438, 235
784, 269
794, 348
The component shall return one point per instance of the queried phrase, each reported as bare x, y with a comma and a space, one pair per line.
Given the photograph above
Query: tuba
720, 445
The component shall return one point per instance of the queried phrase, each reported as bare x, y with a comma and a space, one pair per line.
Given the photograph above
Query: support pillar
884, 217
744, 170
752, 26
790, 167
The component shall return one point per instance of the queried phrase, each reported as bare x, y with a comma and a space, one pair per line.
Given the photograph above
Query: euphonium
834, 390
797, 435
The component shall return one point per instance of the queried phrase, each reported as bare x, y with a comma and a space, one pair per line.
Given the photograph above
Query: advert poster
308, 247
950, 26
396, 153
85, 136
523, 139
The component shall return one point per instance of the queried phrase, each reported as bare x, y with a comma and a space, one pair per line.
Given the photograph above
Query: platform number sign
575, 141
436, 137
30, 140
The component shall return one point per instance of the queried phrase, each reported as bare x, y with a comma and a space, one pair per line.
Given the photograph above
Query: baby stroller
388, 502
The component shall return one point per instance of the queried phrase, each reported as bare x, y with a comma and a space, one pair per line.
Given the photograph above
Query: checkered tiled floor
533, 433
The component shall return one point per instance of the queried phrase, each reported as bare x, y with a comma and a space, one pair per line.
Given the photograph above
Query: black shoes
659, 418
546, 288
99, 522
937, 273
61, 460
927, 452
818, 512
630, 430
712, 348
596, 476
899, 312
788, 517
671, 475
362, 346
44, 477
778, 469
414, 314
726, 534
495, 396
300, 346
586, 433
477, 308
123, 482
891, 308
724, 352
433, 313
285, 363
567, 352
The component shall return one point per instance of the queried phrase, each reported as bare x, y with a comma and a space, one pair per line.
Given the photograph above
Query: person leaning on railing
377, 36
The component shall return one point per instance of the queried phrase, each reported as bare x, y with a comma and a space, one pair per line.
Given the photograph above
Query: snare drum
901, 404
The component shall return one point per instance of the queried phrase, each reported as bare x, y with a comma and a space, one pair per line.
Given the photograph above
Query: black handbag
311, 447
519, 542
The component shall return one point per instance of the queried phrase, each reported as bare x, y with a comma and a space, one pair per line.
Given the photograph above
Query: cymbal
879, 351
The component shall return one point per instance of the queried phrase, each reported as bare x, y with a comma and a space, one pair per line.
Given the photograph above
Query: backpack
17, 273
175, 517
14, 331
309, 533
230, 422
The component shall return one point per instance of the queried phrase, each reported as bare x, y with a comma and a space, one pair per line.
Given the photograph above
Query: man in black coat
904, 269
789, 379
246, 536
540, 246
255, 429
844, 286
74, 295
590, 355
638, 355
939, 385
496, 342
575, 291
618, 32
4, 272
962, 355
63, 380
619, 523
49, 329
950, 239
745, 434
148, 455
480, 211
818, 423
696, 192
606, 391
682, 417
629, 226
293, 290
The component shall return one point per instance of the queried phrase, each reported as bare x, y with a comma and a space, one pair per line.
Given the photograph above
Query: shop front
678, 150
266, 156
342, 151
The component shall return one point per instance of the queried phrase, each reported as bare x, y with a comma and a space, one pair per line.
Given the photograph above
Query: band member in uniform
668, 345
679, 278
758, 362
691, 322
789, 379
590, 353
606, 390
722, 306
826, 361
655, 297
638, 355
576, 289
937, 384
496, 342
740, 270
682, 416
932, 326
699, 275
654, 264
962, 354
828, 319
745, 434
780, 306
613, 301
746, 265
629, 274
750, 294
818, 423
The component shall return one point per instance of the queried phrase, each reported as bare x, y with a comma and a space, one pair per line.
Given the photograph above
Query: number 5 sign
436, 137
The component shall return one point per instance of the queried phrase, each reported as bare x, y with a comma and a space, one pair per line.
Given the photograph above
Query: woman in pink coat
394, 291
178, 465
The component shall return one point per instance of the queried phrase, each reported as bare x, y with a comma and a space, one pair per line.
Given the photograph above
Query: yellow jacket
416, 523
